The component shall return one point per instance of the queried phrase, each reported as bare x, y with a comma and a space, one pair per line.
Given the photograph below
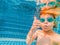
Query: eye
42, 19
42, 5
50, 19
51, 3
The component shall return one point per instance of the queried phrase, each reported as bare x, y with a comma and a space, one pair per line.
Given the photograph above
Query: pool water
12, 41
16, 18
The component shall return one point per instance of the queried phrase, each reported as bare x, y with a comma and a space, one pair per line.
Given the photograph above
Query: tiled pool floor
11, 41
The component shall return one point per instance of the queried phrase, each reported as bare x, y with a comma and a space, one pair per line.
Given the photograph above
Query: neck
50, 32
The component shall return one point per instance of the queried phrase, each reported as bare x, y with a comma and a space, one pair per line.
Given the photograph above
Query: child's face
46, 22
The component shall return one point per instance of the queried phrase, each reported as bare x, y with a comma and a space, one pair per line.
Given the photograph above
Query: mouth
45, 27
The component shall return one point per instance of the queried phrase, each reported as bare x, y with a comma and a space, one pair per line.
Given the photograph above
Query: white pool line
13, 39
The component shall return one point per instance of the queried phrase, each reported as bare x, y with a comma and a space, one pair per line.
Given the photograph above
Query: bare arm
30, 40
35, 25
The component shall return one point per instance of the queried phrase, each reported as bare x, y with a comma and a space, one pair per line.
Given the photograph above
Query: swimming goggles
50, 19
51, 4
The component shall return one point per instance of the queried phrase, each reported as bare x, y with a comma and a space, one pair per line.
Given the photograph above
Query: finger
35, 18
27, 41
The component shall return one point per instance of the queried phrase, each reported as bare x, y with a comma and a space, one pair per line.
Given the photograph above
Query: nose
46, 22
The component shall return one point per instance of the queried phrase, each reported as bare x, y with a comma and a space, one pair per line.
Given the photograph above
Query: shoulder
56, 38
55, 43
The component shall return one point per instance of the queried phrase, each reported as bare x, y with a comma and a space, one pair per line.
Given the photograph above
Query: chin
46, 29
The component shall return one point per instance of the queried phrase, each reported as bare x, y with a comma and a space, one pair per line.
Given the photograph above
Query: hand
36, 23
28, 40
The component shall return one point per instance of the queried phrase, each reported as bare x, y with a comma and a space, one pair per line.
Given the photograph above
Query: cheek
42, 25
51, 24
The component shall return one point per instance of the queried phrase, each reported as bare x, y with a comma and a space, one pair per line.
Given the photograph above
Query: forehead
45, 15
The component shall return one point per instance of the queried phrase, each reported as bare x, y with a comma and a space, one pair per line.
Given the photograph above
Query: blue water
16, 18
14, 43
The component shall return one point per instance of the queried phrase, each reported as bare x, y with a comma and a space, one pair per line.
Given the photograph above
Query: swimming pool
12, 41
16, 18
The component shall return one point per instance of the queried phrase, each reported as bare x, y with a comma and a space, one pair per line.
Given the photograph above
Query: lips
45, 26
